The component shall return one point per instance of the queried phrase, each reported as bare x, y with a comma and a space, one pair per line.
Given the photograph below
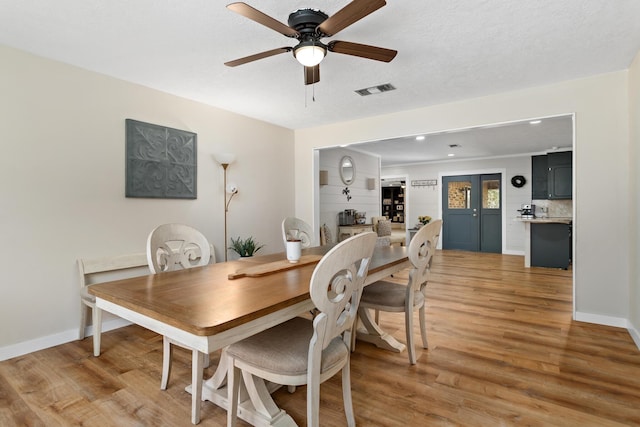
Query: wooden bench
90, 272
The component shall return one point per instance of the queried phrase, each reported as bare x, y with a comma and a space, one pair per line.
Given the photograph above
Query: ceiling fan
309, 26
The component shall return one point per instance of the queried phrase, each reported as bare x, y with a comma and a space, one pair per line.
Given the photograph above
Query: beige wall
601, 157
634, 228
62, 173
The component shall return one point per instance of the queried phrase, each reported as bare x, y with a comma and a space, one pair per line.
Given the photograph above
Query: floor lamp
225, 159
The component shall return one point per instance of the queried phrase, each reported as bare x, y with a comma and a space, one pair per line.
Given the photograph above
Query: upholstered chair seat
391, 296
285, 350
394, 297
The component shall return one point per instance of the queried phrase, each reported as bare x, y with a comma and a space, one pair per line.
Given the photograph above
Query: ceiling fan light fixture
309, 53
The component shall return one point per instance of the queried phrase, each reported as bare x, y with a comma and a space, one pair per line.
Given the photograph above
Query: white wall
601, 261
426, 200
332, 200
63, 178
634, 193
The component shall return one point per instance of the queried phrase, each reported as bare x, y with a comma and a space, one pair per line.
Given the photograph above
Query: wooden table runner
272, 267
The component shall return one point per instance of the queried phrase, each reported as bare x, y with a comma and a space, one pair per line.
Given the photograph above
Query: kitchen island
547, 241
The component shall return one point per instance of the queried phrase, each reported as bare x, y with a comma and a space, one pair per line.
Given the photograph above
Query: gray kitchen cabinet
552, 176
560, 175
539, 177
551, 245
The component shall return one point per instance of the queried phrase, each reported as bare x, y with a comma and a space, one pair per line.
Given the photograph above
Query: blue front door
472, 213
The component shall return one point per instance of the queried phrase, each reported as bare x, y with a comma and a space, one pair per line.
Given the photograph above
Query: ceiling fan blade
349, 14
257, 56
363, 50
311, 75
261, 18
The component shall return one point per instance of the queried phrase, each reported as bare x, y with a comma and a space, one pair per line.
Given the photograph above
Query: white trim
599, 319
635, 335
512, 252
315, 223
617, 322
48, 341
574, 209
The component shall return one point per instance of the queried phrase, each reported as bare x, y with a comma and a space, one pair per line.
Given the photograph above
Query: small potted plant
424, 220
245, 248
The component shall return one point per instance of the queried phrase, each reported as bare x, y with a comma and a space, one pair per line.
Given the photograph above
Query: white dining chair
174, 247
295, 228
394, 297
304, 351
326, 237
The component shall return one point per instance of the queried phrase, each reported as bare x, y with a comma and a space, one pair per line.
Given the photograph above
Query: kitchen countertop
549, 220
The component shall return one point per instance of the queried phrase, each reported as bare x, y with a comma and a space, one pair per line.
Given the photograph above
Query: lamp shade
232, 188
309, 54
225, 158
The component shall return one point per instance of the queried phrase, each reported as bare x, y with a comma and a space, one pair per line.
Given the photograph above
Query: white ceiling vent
375, 89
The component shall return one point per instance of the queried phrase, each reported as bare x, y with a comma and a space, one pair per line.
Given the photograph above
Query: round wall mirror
347, 170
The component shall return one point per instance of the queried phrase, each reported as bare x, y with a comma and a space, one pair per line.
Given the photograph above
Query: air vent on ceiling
454, 145
375, 89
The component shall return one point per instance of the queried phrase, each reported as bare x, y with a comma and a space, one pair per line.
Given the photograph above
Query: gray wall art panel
161, 162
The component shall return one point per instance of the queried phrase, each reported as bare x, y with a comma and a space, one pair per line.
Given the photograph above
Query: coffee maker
348, 217
527, 211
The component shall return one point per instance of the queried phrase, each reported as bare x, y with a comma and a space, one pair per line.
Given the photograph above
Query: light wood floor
503, 351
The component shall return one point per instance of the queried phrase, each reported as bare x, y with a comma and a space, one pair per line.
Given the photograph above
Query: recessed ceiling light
420, 138
535, 122
450, 155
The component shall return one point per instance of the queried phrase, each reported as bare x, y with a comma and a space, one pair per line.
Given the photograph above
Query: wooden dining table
207, 308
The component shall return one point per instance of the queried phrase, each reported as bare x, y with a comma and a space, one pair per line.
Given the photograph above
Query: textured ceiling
447, 50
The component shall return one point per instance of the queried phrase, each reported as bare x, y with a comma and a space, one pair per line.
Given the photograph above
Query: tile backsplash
554, 208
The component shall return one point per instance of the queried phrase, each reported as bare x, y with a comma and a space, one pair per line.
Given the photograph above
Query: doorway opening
393, 200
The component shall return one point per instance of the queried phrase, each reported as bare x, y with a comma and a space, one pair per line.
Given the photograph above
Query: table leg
255, 403
197, 359
374, 334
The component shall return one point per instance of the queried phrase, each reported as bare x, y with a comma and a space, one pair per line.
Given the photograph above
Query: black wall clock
518, 181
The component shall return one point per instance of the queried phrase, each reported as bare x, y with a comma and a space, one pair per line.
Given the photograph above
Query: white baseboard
41, 343
512, 252
618, 322
635, 335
